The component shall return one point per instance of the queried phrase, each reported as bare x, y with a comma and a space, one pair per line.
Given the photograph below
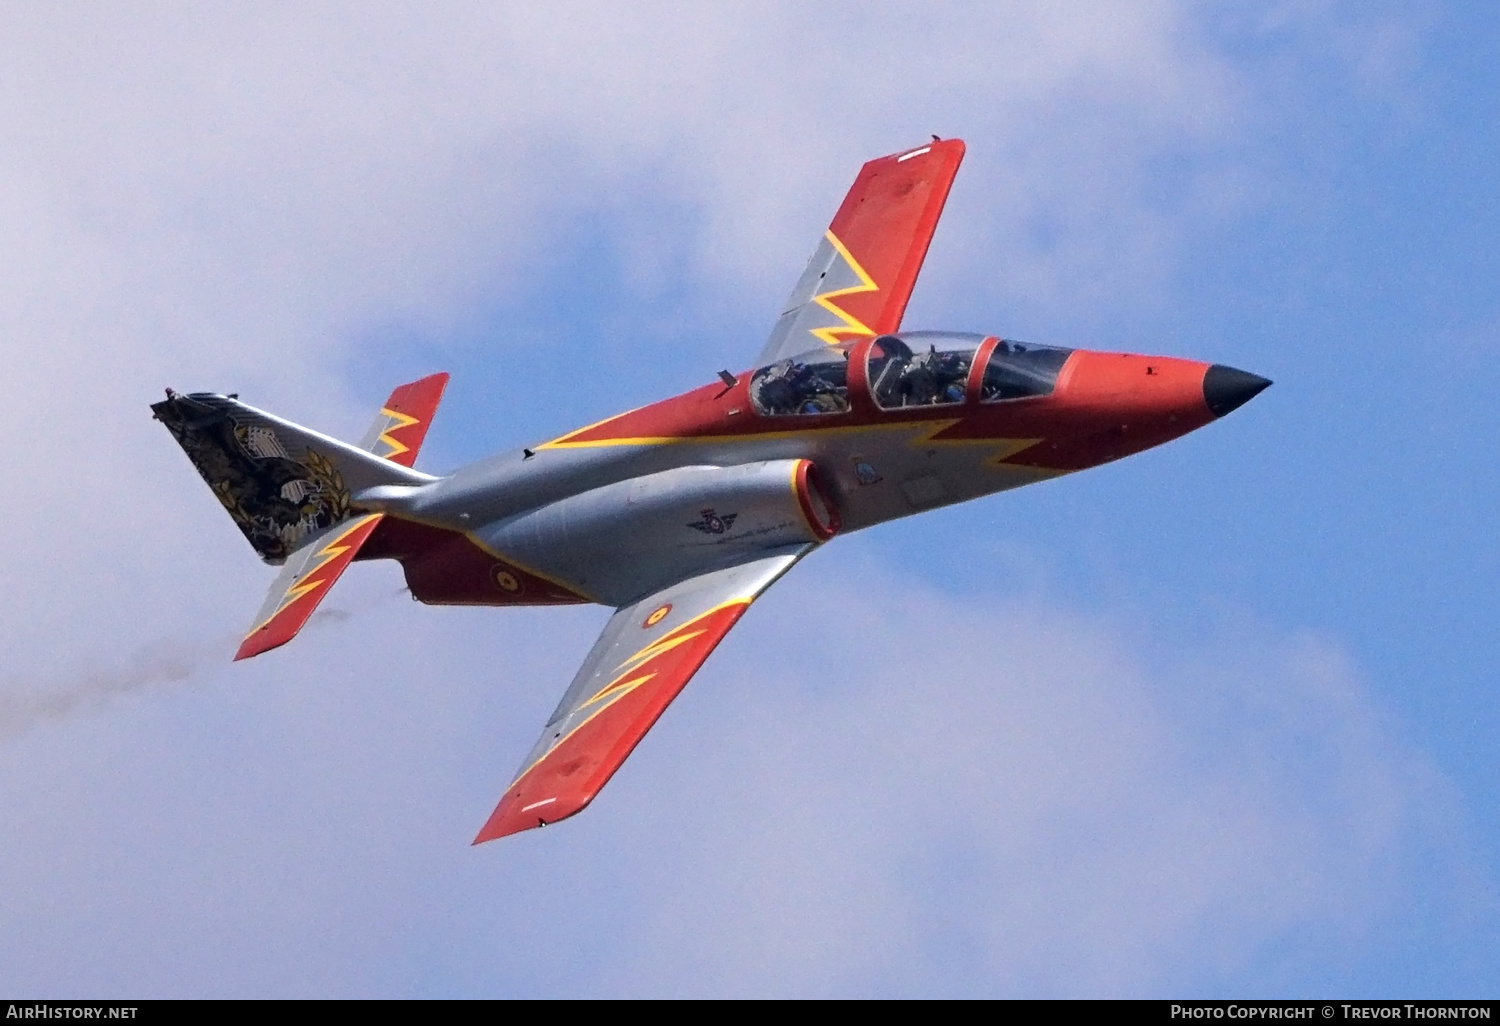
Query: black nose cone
1226, 389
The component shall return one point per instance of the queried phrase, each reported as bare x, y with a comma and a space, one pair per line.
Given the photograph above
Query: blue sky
1215, 720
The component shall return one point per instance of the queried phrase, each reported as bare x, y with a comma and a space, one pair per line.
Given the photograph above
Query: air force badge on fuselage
713, 523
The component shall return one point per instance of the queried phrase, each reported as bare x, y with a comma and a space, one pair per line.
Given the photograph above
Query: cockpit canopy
813, 382
912, 369
1020, 370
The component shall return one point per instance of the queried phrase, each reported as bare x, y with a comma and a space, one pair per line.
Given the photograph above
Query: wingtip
493, 828
247, 650
258, 641
511, 817
496, 828
485, 836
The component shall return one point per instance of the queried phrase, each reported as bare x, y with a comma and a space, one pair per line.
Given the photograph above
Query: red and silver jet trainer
681, 513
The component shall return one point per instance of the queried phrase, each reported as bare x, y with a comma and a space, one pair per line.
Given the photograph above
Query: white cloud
231, 198
1009, 799
999, 798
215, 198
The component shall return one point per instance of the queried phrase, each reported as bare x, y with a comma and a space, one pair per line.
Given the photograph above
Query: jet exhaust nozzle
1226, 389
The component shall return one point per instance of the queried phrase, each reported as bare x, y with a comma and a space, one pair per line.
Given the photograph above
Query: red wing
861, 276
645, 657
402, 423
304, 579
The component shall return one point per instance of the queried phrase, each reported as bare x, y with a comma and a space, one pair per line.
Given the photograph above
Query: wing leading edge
862, 273
648, 652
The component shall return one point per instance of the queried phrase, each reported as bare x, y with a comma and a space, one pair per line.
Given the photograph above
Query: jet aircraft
678, 515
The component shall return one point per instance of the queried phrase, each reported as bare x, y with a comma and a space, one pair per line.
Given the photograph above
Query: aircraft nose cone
1226, 389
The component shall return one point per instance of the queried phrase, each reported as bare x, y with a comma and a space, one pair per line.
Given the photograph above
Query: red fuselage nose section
1110, 405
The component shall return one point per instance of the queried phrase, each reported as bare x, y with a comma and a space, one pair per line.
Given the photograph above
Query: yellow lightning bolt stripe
327, 554
659, 647
563, 442
618, 688
1004, 448
622, 689
852, 325
656, 648
810, 430
401, 420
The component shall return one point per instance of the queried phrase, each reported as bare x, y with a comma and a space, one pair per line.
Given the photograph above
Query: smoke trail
160, 664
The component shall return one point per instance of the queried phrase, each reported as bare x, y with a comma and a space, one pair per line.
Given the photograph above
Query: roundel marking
657, 615
505, 580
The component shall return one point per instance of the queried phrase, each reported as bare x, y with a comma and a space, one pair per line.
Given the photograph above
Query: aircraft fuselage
616, 509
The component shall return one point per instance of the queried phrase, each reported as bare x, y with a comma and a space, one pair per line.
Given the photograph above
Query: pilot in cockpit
795, 387
932, 378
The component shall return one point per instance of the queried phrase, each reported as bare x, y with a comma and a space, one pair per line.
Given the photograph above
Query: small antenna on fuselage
729, 381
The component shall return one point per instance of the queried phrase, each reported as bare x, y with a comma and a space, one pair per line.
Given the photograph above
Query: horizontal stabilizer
304, 579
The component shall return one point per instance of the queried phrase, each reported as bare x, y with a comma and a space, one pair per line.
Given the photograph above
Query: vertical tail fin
291, 490
402, 423
280, 482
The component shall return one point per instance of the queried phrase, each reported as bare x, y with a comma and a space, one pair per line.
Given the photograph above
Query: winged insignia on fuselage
713, 523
